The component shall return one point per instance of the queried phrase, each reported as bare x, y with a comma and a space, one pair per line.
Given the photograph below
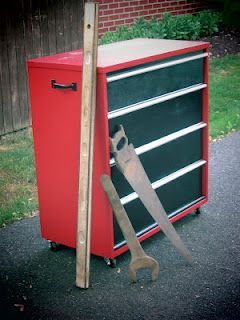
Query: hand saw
129, 164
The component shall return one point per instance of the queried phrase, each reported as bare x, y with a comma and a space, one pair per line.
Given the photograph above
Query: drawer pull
166, 139
172, 176
72, 86
153, 101
155, 67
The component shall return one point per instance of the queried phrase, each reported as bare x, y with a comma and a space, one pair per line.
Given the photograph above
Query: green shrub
122, 33
183, 27
209, 22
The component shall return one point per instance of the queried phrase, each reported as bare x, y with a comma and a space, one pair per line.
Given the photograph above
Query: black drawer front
154, 122
144, 86
173, 196
164, 160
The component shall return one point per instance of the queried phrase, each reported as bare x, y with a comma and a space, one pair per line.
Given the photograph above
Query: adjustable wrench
139, 259
130, 166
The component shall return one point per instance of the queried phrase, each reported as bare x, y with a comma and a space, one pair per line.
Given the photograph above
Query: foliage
183, 27
224, 95
121, 34
180, 27
18, 192
209, 22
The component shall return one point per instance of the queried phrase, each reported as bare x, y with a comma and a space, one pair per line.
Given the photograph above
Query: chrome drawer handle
72, 86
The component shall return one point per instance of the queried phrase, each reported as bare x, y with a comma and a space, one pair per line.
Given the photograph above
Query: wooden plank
52, 27
21, 65
2, 129
12, 27
5, 75
36, 32
28, 35
74, 26
29, 30
59, 26
77, 22
79, 29
67, 24
29, 51
43, 14
86, 145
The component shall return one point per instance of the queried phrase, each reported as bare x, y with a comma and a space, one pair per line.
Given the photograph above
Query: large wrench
139, 259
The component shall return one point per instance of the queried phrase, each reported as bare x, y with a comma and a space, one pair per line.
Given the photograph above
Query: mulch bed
227, 41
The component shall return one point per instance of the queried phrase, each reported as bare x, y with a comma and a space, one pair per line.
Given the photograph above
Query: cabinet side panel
55, 120
56, 130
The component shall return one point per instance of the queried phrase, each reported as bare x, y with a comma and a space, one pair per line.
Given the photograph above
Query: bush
122, 33
209, 22
183, 27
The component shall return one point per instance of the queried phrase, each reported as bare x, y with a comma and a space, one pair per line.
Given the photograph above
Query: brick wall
113, 13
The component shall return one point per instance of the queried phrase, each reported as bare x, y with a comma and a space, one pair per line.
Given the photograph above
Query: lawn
18, 192
224, 95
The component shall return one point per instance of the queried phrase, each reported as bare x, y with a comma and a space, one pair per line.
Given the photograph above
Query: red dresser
158, 90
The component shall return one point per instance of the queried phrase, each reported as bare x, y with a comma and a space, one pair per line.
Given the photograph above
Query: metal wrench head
144, 262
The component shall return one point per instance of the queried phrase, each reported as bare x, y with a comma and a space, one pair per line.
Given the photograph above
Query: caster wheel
112, 263
54, 246
198, 211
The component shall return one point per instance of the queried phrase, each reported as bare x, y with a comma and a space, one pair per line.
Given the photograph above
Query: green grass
224, 95
18, 192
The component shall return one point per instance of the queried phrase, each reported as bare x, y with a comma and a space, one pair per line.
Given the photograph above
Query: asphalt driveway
36, 283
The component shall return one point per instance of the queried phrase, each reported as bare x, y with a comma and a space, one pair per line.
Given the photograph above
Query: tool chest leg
198, 211
110, 262
54, 246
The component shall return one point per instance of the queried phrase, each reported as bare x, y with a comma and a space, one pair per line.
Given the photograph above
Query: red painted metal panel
71, 60
56, 129
55, 119
205, 115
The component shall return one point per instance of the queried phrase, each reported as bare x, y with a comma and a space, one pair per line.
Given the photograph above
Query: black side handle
72, 86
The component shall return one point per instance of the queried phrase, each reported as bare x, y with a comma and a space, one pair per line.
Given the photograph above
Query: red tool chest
158, 90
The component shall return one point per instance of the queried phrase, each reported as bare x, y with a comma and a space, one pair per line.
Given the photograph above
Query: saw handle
119, 140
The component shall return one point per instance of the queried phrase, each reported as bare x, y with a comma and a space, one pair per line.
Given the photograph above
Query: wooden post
90, 40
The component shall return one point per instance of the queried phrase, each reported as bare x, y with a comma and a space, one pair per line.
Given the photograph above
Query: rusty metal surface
129, 164
139, 259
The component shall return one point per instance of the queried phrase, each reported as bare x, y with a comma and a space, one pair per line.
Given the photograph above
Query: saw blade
128, 162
